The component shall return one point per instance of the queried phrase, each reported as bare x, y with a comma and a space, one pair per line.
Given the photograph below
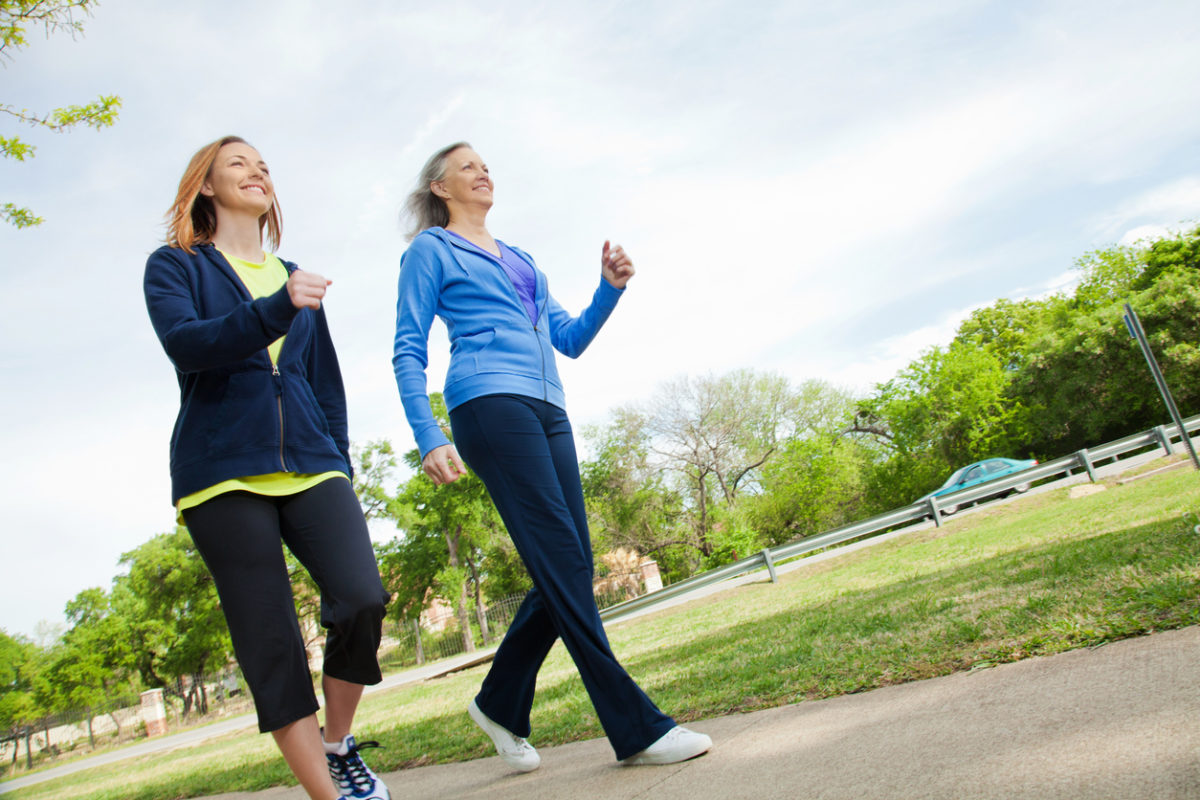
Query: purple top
518, 271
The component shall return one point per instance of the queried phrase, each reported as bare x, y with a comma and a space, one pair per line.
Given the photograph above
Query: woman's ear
439, 189
207, 189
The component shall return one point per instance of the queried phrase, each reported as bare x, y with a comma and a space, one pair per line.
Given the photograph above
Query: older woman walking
508, 418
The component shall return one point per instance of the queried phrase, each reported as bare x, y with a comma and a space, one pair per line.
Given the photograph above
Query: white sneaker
516, 752
677, 744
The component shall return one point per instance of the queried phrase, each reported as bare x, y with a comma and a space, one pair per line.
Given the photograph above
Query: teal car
981, 472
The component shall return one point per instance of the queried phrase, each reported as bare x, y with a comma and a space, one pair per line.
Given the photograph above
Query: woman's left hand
615, 265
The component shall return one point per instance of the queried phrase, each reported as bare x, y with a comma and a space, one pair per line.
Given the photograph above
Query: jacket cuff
276, 311
607, 295
430, 438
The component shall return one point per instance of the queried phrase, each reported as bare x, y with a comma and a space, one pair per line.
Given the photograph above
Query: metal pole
770, 562
1135, 330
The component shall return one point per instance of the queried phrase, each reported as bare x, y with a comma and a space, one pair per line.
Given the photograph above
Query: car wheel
948, 510
1021, 488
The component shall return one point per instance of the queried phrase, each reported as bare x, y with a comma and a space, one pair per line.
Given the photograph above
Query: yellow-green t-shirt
260, 280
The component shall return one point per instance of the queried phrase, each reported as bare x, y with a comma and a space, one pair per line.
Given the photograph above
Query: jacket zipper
279, 407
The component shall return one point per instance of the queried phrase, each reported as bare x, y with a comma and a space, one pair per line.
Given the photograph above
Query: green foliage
452, 544
629, 501
1086, 379
674, 479
1005, 328
1179, 253
16, 18
93, 658
19, 217
815, 485
946, 409
714, 433
1107, 276
171, 604
18, 668
374, 464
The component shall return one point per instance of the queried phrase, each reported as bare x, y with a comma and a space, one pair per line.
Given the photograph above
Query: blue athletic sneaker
353, 778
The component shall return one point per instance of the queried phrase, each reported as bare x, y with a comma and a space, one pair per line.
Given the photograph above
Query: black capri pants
239, 535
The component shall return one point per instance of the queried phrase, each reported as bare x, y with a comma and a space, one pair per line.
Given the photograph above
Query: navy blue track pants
523, 450
240, 536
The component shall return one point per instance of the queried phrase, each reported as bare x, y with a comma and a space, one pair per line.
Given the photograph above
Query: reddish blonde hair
192, 219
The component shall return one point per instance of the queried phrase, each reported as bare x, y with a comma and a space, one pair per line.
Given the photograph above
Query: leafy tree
19, 708
814, 485
374, 464
1107, 276
448, 533
93, 660
171, 602
945, 409
1006, 328
629, 502
16, 18
1086, 380
715, 432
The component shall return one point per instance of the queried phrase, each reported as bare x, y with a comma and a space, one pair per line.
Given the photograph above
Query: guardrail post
1164, 438
766, 554
1086, 461
937, 514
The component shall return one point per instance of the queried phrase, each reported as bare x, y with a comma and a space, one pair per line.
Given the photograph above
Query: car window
955, 477
973, 473
995, 466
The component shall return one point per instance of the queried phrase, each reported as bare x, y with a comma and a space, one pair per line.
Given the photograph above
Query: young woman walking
260, 459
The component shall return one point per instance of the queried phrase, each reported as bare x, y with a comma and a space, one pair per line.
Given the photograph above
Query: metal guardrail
1085, 460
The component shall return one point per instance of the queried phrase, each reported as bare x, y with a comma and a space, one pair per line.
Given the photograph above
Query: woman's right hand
443, 465
306, 289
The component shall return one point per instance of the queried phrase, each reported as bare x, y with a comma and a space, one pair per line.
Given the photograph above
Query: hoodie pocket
243, 417
465, 351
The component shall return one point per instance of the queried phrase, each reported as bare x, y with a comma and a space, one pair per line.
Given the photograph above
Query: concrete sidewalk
1120, 721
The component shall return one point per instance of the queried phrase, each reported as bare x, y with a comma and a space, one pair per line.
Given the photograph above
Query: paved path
1119, 722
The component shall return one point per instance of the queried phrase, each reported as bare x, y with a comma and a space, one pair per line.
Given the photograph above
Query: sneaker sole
485, 724
660, 761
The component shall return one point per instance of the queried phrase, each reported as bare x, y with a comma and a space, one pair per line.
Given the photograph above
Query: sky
816, 189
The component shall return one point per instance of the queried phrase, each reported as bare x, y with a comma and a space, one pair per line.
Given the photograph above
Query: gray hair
423, 207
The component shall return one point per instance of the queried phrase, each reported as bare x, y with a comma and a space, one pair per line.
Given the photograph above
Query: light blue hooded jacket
494, 349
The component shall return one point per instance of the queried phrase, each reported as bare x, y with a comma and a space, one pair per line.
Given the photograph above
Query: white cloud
1174, 202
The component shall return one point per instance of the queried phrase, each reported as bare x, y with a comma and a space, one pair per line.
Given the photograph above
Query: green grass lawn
1037, 576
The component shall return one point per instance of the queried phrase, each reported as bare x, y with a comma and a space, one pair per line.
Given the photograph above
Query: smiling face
466, 181
239, 180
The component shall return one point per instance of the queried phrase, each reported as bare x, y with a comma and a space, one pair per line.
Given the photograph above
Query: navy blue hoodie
239, 415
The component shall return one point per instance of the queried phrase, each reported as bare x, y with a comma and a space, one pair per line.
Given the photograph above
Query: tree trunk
202, 700
185, 696
29, 748
417, 645
705, 547
480, 610
464, 620
91, 735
